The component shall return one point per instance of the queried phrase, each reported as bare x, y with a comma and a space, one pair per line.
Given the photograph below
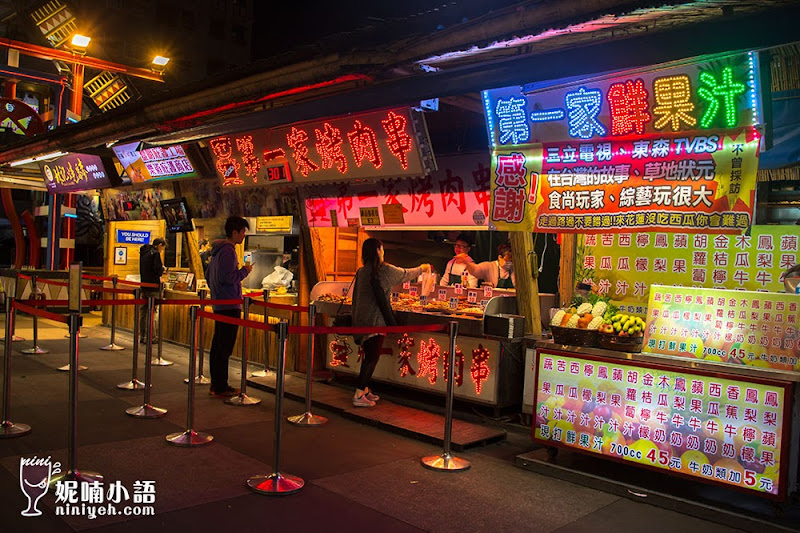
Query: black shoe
227, 392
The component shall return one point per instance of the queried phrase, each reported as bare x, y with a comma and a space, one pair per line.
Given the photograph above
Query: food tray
621, 344
575, 336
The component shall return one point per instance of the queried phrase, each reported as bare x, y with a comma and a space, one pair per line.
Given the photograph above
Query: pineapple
584, 308
599, 308
573, 321
595, 323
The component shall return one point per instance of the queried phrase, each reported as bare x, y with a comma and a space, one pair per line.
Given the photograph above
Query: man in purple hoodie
225, 281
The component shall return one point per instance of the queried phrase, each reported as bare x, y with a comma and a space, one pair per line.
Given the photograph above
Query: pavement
357, 476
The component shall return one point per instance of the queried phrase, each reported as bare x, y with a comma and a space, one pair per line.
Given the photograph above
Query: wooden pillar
192, 245
566, 271
527, 285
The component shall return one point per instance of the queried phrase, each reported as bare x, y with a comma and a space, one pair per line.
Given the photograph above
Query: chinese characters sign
713, 429
456, 195
390, 143
623, 266
721, 93
74, 172
736, 327
419, 361
154, 163
668, 182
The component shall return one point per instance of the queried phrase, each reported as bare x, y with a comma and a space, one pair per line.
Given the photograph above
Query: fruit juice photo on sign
693, 424
734, 327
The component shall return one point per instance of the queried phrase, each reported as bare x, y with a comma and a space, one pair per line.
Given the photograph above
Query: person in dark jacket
151, 268
225, 282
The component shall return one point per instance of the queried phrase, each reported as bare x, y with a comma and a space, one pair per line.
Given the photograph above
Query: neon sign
716, 93
390, 143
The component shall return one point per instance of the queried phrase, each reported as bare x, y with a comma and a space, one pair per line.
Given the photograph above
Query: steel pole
159, 361
9, 429
243, 398
446, 462
200, 379
134, 383
309, 419
111, 345
146, 410
263, 372
72, 473
277, 484
35, 349
190, 437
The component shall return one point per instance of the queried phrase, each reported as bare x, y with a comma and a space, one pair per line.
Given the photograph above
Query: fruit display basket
620, 344
575, 336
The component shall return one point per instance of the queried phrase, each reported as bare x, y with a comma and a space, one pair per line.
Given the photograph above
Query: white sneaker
370, 396
363, 401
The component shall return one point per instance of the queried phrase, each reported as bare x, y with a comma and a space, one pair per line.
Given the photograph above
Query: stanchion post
17, 295
159, 361
446, 462
242, 398
146, 410
112, 346
263, 372
9, 429
190, 437
134, 383
277, 484
308, 419
74, 320
200, 379
35, 349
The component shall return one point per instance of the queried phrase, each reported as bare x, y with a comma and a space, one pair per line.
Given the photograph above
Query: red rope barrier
285, 307
97, 278
50, 282
46, 303
254, 294
140, 301
199, 302
100, 288
366, 330
236, 321
39, 312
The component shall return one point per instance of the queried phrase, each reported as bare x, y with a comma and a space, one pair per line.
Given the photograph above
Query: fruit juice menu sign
624, 266
671, 148
735, 327
699, 425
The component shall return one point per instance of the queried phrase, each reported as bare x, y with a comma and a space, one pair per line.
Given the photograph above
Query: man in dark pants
150, 270
225, 282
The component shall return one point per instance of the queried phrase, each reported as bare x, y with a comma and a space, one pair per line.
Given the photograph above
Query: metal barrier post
111, 345
263, 372
243, 398
9, 429
277, 484
18, 296
35, 350
190, 437
146, 410
159, 361
309, 419
446, 461
134, 383
200, 379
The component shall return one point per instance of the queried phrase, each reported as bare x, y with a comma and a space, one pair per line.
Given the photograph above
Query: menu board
154, 163
688, 423
624, 266
735, 327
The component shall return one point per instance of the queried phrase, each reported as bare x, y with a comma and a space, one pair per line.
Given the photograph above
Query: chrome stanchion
134, 383
146, 410
243, 398
35, 349
8, 428
446, 461
190, 437
18, 296
72, 473
309, 419
111, 345
276, 483
159, 361
263, 372
200, 379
